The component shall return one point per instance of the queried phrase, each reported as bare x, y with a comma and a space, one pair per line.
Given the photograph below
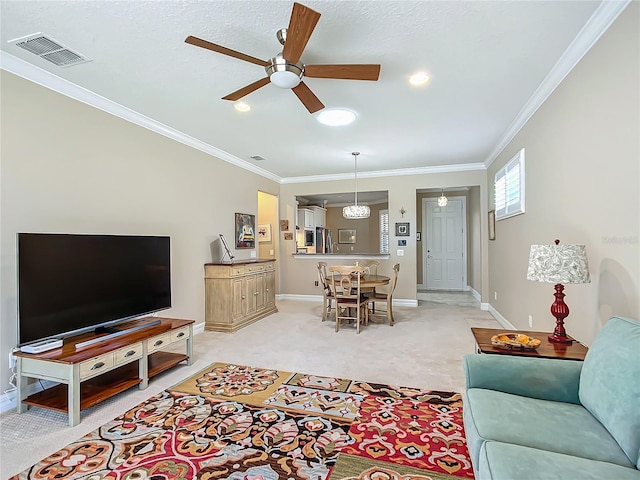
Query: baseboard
475, 294
198, 328
501, 320
302, 298
399, 302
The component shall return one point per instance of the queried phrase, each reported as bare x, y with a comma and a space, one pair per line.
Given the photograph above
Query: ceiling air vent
257, 158
49, 49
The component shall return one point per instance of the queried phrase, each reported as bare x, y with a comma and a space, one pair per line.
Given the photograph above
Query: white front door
444, 255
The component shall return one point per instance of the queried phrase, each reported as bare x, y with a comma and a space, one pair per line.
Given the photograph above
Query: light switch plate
253, 254
400, 252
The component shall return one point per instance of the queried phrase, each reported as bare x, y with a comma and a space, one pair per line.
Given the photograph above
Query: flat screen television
70, 283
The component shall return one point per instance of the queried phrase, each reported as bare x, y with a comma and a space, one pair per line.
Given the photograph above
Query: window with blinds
508, 188
384, 231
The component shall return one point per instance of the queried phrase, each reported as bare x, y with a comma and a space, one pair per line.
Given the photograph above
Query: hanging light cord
355, 158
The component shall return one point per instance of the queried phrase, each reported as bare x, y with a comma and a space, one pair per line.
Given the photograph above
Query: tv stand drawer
128, 354
97, 365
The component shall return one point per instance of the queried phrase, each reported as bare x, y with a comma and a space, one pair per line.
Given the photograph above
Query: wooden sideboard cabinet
91, 374
238, 294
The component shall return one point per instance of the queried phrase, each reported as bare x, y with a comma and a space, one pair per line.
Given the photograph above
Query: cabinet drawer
255, 268
96, 365
158, 342
237, 270
180, 334
127, 354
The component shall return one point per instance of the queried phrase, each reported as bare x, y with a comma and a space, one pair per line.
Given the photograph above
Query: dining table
371, 281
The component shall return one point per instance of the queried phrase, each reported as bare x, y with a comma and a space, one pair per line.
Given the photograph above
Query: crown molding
462, 167
46, 79
599, 22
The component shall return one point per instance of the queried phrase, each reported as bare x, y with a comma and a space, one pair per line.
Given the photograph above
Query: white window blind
384, 231
509, 188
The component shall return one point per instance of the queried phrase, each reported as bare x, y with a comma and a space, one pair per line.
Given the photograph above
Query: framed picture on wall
346, 235
402, 229
245, 229
264, 233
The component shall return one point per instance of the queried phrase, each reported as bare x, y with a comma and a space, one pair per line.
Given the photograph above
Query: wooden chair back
370, 266
394, 280
346, 281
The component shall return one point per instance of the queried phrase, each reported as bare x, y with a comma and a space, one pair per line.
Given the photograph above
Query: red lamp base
560, 310
560, 339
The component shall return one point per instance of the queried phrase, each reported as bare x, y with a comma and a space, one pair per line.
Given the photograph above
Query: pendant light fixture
442, 200
356, 211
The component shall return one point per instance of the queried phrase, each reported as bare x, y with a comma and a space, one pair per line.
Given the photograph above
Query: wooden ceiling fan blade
308, 98
198, 42
343, 72
301, 24
244, 91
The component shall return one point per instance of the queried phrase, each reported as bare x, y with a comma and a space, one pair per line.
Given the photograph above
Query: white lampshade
558, 264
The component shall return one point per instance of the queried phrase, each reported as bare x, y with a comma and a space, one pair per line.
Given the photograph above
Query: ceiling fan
285, 70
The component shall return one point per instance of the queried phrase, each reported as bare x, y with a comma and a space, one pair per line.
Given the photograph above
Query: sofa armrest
543, 378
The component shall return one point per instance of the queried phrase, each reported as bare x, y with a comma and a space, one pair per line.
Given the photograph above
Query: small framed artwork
402, 229
288, 235
492, 225
284, 225
418, 236
264, 233
402, 243
346, 235
245, 230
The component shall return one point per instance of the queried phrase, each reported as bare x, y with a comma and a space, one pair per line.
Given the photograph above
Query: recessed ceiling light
336, 117
419, 78
242, 107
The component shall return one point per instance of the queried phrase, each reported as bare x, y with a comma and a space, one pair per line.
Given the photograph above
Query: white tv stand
105, 368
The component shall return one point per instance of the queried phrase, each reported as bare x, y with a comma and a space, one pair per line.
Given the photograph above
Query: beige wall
582, 186
367, 230
68, 167
299, 274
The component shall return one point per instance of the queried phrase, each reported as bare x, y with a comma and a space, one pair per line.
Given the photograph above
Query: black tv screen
72, 283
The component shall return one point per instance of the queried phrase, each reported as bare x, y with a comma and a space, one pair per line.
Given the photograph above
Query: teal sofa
533, 418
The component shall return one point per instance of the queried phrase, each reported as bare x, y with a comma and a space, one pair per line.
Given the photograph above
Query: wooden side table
547, 349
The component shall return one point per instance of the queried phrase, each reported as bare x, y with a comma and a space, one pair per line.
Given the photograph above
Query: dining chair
370, 268
388, 296
351, 303
327, 294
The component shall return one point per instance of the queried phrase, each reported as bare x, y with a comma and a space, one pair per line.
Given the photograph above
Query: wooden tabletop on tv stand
68, 353
547, 349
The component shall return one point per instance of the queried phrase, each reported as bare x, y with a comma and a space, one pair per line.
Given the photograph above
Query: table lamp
559, 264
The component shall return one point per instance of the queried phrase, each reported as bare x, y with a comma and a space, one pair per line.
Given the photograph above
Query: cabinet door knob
97, 366
243, 297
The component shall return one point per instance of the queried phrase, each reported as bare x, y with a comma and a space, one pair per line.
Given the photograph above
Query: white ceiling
486, 60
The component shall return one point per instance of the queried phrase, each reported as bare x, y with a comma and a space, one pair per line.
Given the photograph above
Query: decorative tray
515, 341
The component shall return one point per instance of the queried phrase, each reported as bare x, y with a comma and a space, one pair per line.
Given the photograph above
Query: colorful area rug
244, 423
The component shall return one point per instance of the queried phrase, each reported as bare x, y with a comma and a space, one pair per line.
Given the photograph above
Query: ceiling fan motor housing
284, 74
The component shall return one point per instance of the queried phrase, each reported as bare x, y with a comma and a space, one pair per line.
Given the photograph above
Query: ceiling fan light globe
284, 79
356, 211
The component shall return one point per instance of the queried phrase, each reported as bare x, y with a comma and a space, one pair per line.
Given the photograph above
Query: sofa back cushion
610, 382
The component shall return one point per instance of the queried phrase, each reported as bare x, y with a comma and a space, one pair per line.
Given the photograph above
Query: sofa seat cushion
547, 425
502, 461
